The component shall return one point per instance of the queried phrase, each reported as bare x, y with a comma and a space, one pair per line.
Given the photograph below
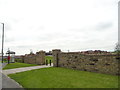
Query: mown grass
17, 65
64, 78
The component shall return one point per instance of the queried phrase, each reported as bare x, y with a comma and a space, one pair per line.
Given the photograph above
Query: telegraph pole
2, 40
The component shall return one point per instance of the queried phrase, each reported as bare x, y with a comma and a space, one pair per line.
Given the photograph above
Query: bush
18, 60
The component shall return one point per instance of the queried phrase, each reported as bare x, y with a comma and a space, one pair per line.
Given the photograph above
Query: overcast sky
75, 25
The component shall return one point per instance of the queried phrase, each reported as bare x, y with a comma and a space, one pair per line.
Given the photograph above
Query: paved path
16, 70
3, 65
10, 83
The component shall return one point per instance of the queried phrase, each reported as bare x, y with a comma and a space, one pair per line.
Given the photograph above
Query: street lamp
2, 40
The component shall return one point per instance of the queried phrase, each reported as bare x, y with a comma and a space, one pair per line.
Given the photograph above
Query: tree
31, 51
117, 48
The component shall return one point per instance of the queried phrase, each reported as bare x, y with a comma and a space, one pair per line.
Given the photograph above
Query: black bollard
50, 62
46, 62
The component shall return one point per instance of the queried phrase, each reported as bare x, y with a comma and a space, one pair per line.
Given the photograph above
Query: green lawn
49, 58
54, 77
17, 65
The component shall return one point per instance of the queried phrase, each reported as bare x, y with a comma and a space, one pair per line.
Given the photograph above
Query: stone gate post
55, 54
40, 57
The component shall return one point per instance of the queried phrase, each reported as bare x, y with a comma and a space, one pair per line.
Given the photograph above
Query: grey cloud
9, 39
51, 36
99, 26
77, 30
74, 29
16, 20
41, 27
103, 26
7, 27
8, 23
21, 46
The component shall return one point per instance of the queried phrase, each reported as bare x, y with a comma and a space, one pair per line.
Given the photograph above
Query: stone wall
101, 63
38, 58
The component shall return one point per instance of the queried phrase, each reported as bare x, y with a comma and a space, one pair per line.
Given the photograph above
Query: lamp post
2, 40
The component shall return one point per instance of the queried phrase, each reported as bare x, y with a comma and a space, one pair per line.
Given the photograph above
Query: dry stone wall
101, 63
38, 58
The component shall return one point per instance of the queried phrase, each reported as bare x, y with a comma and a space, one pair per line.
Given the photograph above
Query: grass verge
64, 78
17, 65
